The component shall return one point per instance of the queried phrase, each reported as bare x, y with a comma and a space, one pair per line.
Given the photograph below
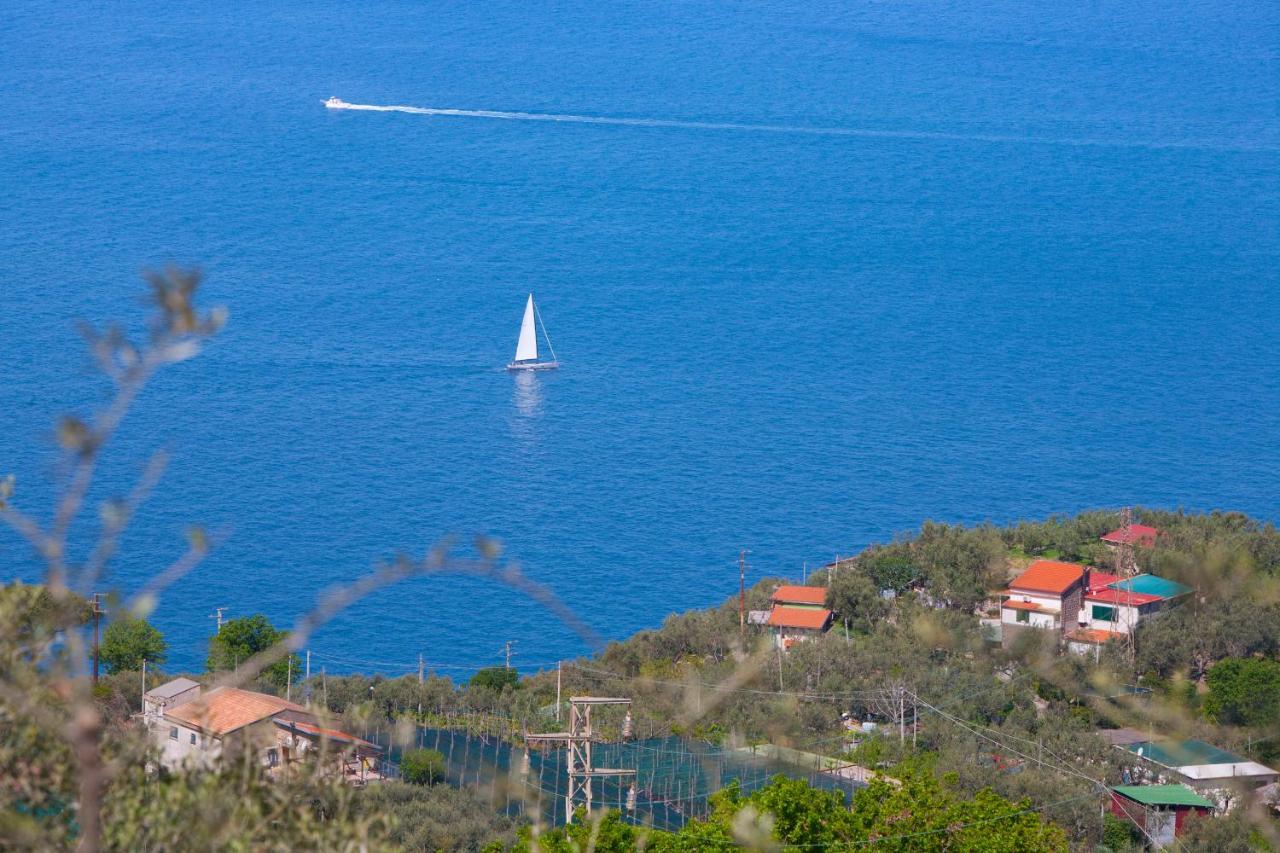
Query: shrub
422, 767
496, 677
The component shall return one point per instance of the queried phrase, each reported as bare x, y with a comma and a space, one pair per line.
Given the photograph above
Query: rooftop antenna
1126, 564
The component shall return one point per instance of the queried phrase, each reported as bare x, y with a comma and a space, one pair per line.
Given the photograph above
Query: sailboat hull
533, 365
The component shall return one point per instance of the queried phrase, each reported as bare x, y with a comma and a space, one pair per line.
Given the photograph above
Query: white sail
527, 348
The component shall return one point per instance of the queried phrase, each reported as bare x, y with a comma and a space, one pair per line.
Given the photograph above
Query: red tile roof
800, 595
1100, 580
1048, 576
797, 617
1116, 596
227, 709
1138, 534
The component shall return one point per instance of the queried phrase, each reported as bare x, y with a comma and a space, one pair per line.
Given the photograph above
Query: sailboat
527, 347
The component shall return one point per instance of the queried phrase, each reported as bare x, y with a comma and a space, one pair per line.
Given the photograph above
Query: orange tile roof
331, 734
1093, 635
227, 709
1048, 576
797, 617
800, 594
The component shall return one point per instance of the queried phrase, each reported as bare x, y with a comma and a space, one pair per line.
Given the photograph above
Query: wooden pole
97, 611
902, 717
780, 687
742, 594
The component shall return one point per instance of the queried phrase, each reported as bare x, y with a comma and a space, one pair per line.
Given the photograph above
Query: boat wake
868, 133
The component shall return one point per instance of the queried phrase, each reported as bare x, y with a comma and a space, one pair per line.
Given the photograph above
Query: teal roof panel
1152, 585
1180, 753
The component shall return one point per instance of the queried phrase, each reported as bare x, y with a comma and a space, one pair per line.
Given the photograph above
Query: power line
862, 694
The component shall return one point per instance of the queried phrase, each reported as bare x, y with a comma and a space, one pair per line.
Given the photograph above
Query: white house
1113, 611
798, 614
198, 731
1046, 596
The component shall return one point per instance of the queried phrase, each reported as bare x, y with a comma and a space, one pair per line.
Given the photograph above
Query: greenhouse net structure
673, 777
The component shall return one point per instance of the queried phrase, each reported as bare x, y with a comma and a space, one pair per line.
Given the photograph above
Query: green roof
1152, 585
1163, 795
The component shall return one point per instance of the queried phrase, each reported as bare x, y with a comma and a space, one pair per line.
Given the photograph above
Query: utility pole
558, 672
781, 689
902, 716
288, 679
217, 614
507, 646
742, 594
307, 690
578, 741
97, 612
419, 667
144, 689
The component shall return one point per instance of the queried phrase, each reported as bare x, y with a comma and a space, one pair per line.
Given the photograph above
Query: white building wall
1009, 615
1127, 617
181, 746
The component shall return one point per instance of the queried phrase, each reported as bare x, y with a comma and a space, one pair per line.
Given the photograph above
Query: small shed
1160, 811
803, 597
793, 624
171, 694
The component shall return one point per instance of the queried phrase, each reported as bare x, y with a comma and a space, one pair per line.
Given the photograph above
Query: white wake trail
568, 118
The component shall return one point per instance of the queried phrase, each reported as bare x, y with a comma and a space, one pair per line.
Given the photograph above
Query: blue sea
842, 267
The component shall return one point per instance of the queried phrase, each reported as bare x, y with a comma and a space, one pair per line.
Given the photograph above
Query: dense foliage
916, 815
238, 640
433, 818
128, 641
1244, 692
496, 678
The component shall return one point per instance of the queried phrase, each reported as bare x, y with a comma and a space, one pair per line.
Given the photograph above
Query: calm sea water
1053, 286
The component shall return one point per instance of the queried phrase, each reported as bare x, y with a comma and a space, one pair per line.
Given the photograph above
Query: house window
193, 738
273, 757
173, 732
1104, 614
1023, 616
